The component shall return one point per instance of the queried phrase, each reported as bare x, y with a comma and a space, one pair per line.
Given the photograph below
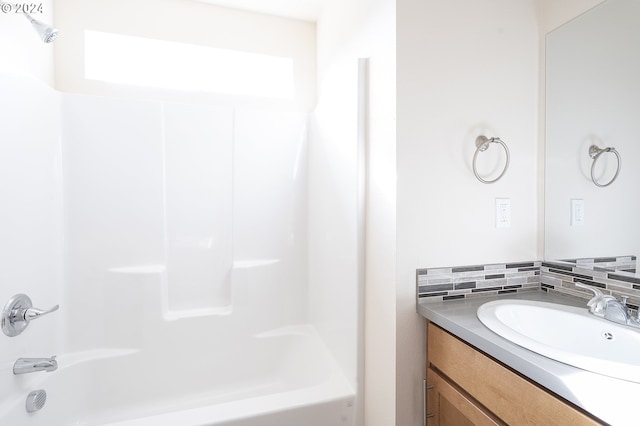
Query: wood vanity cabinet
466, 387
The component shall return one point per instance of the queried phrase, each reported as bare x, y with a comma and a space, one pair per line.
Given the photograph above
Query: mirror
593, 98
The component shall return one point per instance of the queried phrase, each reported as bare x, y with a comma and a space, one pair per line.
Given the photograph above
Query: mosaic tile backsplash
620, 263
438, 284
463, 282
562, 276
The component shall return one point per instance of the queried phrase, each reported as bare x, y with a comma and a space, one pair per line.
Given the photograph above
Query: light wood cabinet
467, 387
448, 405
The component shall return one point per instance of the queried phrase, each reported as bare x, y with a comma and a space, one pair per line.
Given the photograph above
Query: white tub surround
174, 238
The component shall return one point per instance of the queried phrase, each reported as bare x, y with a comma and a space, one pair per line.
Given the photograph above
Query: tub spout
31, 365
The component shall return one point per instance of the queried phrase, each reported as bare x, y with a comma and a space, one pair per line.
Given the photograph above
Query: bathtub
276, 378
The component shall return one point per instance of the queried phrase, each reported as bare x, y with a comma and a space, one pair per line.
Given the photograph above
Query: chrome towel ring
482, 144
595, 152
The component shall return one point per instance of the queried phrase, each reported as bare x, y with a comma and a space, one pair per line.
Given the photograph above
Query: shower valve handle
18, 313
33, 313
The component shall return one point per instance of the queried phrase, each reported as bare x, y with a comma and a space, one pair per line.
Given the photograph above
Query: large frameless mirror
593, 99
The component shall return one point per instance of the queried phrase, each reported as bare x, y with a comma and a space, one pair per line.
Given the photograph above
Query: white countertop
614, 401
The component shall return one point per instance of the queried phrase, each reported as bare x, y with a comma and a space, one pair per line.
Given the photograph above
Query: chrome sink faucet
610, 308
31, 365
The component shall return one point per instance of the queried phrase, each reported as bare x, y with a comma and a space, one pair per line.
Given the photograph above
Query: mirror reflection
593, 98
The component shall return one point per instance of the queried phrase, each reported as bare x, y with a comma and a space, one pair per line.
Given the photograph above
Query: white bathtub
284, 377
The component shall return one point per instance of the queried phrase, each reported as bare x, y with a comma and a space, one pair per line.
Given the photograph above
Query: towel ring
482, 144
595, 152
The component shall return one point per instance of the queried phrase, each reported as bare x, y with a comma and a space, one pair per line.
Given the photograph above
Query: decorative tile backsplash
562, 276
620, 263
463, 282
438, 284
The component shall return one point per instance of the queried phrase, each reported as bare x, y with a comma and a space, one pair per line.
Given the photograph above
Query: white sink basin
567, 334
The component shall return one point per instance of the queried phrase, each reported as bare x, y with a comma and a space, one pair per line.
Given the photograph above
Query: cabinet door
447, 406
509, 396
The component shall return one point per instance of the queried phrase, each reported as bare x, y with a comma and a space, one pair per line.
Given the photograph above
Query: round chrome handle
18, 313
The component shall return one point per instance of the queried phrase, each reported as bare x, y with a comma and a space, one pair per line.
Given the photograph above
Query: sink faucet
609, 308
31, 365
598, 303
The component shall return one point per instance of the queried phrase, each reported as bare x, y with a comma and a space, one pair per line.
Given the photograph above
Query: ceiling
306, 10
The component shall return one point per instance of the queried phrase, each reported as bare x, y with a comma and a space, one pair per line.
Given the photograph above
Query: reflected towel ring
482, 144
594, 153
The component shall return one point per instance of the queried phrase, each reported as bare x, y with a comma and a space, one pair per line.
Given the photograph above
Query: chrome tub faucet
31, 365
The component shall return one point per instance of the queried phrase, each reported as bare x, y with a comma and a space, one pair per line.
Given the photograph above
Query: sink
567, 334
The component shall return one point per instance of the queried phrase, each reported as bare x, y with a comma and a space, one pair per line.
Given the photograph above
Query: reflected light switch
577, 212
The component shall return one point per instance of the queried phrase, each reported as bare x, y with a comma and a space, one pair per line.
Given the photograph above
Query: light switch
503, 213
577, 212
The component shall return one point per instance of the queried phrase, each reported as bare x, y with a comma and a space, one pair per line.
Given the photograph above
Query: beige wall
186, 22
21, 51
464, 68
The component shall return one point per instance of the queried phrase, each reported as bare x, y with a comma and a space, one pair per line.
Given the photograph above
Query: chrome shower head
47, 33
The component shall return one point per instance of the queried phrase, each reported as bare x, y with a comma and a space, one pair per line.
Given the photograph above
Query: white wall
465, 68
186, 22
21, 50
348, 31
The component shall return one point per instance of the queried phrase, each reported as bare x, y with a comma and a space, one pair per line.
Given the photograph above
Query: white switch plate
577, 212
503, 213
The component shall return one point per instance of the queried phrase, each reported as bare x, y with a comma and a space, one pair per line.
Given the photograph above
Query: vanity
462, 381
476, 377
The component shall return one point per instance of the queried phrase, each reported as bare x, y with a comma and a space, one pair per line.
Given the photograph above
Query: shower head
47, 33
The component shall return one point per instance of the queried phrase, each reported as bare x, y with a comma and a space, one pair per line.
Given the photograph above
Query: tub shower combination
174, 238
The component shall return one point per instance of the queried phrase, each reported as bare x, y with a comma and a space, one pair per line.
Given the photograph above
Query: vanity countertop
612, 400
